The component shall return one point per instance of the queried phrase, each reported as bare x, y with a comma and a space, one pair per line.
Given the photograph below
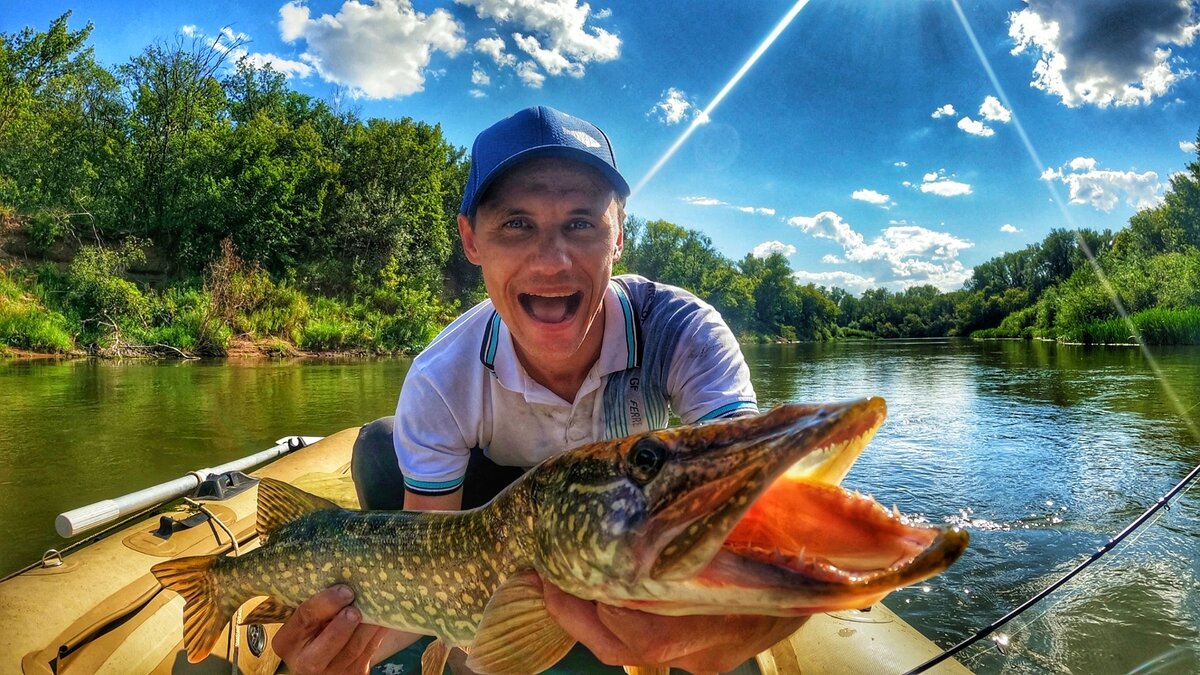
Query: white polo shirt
664, 350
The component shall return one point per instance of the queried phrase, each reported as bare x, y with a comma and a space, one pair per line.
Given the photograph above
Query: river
1042, 451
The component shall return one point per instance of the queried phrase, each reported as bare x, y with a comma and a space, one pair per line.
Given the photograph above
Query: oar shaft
80, 520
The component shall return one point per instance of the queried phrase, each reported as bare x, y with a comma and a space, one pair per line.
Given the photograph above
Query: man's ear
620, 235
468, 239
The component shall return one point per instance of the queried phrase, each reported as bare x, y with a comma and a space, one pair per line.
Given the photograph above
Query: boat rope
235, 642
1163, 502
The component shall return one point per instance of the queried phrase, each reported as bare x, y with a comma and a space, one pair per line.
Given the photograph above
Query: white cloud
757, 210
704, 201
1008, 228
674, 107
529, 74
494, 47
993, 110
555, 34
831, 259
1104, 188
1187, 146
901, 256
1104, 52
379, 50
944, 111
946, 188
829, 225
871, 197
710, 201
936, 183
553, 62
479, 78
1082, 163
900, 164
975, 127
844, 280
477, 93
768, 247
232, 43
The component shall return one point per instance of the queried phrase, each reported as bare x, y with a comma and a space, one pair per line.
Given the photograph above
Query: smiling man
560, 354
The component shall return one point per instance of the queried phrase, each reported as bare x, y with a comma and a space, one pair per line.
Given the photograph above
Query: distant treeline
179, 202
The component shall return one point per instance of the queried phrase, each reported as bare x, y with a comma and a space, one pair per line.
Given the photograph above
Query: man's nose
551, 254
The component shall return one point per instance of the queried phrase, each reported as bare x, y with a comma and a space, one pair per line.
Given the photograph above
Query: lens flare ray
704, 115
1168, 390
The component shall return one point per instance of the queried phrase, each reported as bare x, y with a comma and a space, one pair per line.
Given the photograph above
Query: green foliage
26, 324
98, 294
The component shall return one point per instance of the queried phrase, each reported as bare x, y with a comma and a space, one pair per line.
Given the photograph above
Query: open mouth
817, 546
551, 308
829, 534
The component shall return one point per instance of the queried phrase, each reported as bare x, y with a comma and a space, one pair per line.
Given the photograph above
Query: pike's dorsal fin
270, 610
280, 503
517, 635
433, 659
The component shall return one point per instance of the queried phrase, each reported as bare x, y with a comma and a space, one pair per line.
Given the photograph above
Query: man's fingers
355, 657
579, 619
331, 641
309, 619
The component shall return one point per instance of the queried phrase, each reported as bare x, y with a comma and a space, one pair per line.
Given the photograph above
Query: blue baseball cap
539, 131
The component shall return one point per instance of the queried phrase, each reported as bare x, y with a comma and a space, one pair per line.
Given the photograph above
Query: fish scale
670, 522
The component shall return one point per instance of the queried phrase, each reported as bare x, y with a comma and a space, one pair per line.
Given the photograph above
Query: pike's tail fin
208, 609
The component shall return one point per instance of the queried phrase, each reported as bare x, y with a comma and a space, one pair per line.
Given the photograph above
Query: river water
1042, 451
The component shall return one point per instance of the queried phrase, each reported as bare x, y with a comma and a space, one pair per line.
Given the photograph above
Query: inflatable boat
95, 607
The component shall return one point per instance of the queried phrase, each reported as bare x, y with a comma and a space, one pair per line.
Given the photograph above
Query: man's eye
580, 225
516, 224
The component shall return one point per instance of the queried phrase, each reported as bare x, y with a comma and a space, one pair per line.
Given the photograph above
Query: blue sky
868, 142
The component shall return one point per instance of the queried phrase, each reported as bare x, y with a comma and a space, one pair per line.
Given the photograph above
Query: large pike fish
743, 516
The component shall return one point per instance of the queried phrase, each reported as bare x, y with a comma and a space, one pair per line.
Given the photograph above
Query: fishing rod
1162, 503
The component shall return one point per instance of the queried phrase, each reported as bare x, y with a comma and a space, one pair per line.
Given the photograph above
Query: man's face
546, 238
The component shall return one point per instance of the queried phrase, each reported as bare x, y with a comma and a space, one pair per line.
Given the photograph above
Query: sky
875, 143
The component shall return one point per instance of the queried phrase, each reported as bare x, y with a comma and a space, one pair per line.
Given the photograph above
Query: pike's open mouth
804, 531
824, 533
551, 308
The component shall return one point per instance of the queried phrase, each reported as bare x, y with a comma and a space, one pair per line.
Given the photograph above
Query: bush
98, 295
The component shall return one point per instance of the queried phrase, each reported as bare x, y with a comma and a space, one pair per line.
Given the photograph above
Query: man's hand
326, 635
619, 636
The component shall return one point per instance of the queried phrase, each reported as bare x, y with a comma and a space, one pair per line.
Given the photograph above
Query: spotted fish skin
429, 573
735, 516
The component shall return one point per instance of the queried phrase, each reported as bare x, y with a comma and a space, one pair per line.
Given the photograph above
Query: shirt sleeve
709, 377
431, 448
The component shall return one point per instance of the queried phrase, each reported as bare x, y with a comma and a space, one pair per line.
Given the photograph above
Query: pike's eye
646, 459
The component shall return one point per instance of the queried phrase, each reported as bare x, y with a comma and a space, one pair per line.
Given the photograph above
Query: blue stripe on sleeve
428, 487
736, 406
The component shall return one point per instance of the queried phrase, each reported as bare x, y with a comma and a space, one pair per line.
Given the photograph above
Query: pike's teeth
895, 512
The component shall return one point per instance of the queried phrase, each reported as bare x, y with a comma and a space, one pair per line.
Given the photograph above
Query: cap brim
620, 186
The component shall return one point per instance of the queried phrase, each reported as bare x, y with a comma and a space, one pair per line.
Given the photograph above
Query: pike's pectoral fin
517, 635
647, 670
270, 610
433, 660
280, 503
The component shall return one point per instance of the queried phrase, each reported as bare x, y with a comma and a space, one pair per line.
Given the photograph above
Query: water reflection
1043, 451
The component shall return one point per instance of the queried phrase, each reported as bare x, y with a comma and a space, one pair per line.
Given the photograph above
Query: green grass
1157, 327
26, 324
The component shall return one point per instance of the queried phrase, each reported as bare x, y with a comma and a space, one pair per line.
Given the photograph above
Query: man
561, 354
